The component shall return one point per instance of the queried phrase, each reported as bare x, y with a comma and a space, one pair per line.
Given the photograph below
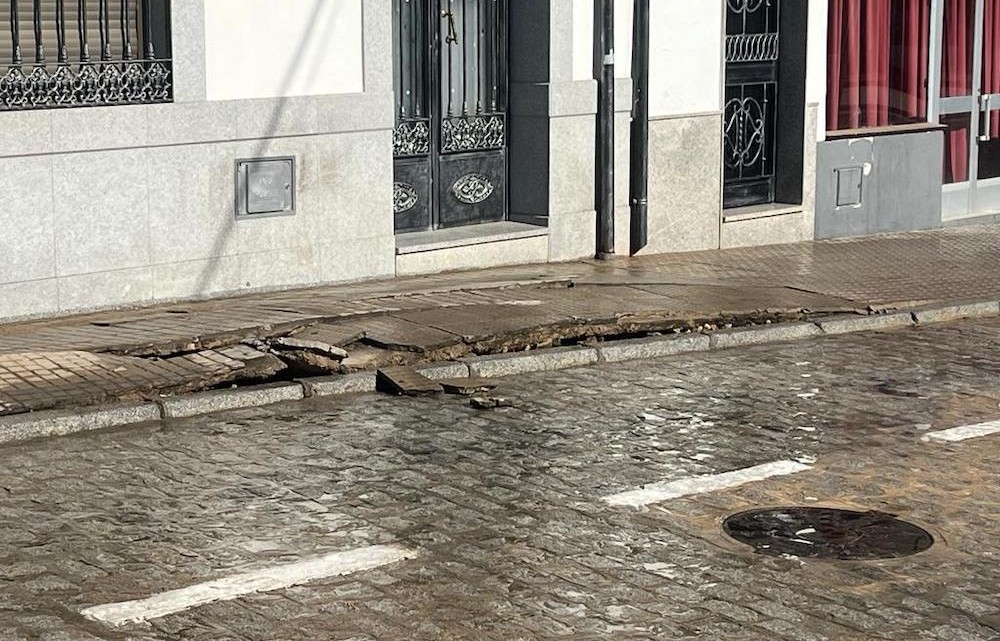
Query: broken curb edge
19, 428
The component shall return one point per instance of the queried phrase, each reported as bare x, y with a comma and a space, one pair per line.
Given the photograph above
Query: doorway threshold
438, 239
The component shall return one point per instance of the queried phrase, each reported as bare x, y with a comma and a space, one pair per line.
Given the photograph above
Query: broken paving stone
490, 402
259, 365
317, 347
405, 381
467, 386
241, 352
336, 334
480, 403
365, 358
310, 363
311, 355
398, 334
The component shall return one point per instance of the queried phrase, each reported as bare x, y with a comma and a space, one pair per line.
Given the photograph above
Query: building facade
160, 150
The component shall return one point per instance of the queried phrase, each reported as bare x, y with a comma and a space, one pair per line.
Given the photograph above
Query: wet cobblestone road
505, 507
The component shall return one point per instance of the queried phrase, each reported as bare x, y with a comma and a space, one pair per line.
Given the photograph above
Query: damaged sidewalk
164, 352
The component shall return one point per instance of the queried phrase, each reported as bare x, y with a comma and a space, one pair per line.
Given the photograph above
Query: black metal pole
606, 135
62, 51
39, 45
15, 34
81, 24
103, 17
147, 30
639, 180
126, 25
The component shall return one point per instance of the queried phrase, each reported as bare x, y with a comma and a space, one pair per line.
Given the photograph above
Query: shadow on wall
318, 29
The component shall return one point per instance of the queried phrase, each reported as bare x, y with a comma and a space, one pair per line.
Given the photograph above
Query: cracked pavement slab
504, 509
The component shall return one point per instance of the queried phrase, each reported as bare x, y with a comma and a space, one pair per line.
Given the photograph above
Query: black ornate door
450, 141
751, 101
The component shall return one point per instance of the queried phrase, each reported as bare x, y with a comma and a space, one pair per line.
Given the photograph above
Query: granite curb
542, 360
238, 398
23, 427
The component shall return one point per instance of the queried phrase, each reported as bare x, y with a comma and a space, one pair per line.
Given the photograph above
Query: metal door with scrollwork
450, 141
751, 101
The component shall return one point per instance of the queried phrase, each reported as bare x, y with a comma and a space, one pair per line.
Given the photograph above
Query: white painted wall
278, 48
583, 39
623, 39
816, 71
685, 57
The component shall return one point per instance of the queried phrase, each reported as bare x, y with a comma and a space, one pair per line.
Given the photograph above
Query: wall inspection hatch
826, 533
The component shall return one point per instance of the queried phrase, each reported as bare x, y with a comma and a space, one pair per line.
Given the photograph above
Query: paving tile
44, 380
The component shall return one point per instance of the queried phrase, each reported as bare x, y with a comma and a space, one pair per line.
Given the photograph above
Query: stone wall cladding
134, 205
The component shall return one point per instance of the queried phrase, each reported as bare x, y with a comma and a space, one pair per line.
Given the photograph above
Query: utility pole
606, 134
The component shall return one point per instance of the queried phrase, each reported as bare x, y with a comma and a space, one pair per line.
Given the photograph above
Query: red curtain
956, 80
910, 79
877, 62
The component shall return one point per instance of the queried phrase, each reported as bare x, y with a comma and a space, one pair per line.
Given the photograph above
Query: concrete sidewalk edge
24, 427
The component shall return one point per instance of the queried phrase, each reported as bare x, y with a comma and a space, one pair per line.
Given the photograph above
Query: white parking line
964, 433
266, 580
656, 492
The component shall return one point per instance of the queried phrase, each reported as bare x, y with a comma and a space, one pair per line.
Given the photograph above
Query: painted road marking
964, 433
656, 492
266, 580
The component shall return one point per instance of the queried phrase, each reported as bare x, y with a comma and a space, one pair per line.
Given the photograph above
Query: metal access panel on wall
751, 105
450, 142
265, 187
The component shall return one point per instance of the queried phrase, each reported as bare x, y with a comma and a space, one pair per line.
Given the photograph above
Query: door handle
984, 117
452, 37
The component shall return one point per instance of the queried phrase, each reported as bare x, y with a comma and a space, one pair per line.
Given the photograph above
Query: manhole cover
824, 533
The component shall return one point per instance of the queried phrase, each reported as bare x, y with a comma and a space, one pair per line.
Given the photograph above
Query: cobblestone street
504, 508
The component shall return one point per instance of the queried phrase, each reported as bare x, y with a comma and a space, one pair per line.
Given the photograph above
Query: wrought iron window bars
131, 64
752, 53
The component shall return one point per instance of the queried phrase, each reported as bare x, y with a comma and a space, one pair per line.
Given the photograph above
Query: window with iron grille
752, 46
78, 53
764, 120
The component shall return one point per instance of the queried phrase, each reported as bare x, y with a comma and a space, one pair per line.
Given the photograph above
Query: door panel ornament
472, 189
411, 138
474, 133
404, 197
745, 132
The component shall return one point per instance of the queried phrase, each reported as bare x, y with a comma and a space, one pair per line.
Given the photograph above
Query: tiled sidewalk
126, 354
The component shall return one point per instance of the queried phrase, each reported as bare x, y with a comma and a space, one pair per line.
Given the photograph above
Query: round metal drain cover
824, 533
